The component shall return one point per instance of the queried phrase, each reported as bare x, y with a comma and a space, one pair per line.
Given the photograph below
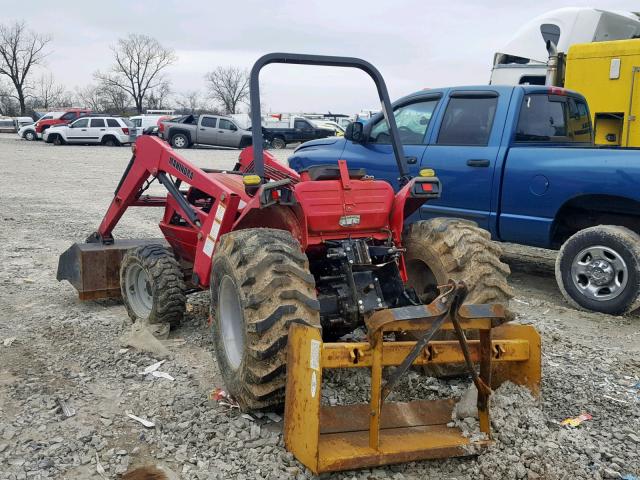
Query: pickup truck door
463, 151
207, 133
304, 130
413, 118
228, 133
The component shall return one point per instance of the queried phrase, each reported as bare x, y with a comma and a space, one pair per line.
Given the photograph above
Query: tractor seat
332, 172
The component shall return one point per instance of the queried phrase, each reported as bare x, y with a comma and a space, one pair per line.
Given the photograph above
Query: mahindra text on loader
295, 260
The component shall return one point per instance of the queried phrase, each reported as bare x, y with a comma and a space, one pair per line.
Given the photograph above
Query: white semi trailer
523, 60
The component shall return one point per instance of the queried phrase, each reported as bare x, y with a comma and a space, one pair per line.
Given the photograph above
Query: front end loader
295, 260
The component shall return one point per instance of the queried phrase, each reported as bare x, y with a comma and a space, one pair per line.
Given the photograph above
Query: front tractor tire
598, 269
441, 249
152, 285
260, 284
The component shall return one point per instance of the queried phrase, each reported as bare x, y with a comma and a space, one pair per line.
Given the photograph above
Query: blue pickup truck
520, 162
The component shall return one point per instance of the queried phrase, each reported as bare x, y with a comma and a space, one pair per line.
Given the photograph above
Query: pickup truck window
69, 116
412, 120
209, 122
226, 125
468, 121
302, 124
545, 118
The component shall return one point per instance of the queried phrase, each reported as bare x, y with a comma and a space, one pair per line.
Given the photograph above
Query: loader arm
155, 159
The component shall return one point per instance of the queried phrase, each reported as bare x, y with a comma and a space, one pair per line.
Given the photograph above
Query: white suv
105, 130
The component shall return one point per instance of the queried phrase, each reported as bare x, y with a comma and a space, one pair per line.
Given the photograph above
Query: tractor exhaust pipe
551, 36
552, 64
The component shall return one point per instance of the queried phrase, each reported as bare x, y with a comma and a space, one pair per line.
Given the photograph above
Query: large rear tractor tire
446, 248
441, 249
152, 285
260, 284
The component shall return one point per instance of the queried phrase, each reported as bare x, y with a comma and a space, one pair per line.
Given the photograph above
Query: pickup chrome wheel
30, 136
598, 269
179, 141
599, 272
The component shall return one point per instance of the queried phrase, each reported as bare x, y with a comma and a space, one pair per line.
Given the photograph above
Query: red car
69, 116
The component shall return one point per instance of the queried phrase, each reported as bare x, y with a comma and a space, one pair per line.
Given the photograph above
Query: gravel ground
53, 347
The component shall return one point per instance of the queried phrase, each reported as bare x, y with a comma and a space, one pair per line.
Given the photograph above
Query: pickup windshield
553, 118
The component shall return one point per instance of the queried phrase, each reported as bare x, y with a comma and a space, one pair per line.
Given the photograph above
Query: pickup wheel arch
587, 211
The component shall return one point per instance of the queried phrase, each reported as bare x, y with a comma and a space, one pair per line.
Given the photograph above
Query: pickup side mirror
355, 132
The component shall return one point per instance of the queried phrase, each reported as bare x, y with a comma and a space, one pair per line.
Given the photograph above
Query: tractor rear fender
280, 217
409, 200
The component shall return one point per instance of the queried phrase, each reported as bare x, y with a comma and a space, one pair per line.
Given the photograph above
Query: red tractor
311, 256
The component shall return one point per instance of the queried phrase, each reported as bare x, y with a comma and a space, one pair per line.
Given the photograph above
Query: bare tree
20, 51
8, 104
47, 92
159, 96
91, 97
114, 100
138, 69
189, 102
229, 86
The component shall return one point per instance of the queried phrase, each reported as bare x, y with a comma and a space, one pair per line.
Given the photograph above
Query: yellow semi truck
608, 75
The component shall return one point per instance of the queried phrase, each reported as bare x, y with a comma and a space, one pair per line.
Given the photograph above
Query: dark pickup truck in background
520, 162
295, 130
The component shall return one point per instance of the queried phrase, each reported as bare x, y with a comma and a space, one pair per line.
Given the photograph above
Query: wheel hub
599, 273
139, 291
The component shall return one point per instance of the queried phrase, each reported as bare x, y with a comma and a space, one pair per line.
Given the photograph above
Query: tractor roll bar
328, 61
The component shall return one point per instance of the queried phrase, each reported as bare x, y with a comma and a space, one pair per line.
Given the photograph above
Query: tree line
136, 80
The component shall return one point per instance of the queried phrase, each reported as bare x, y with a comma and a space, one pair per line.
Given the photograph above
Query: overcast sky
414, 43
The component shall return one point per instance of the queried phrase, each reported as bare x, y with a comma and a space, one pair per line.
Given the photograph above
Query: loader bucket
344, 437
94, 268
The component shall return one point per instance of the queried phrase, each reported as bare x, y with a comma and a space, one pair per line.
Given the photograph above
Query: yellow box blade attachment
345, 437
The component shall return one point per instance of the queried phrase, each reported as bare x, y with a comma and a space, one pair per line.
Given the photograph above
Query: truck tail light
125, 131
